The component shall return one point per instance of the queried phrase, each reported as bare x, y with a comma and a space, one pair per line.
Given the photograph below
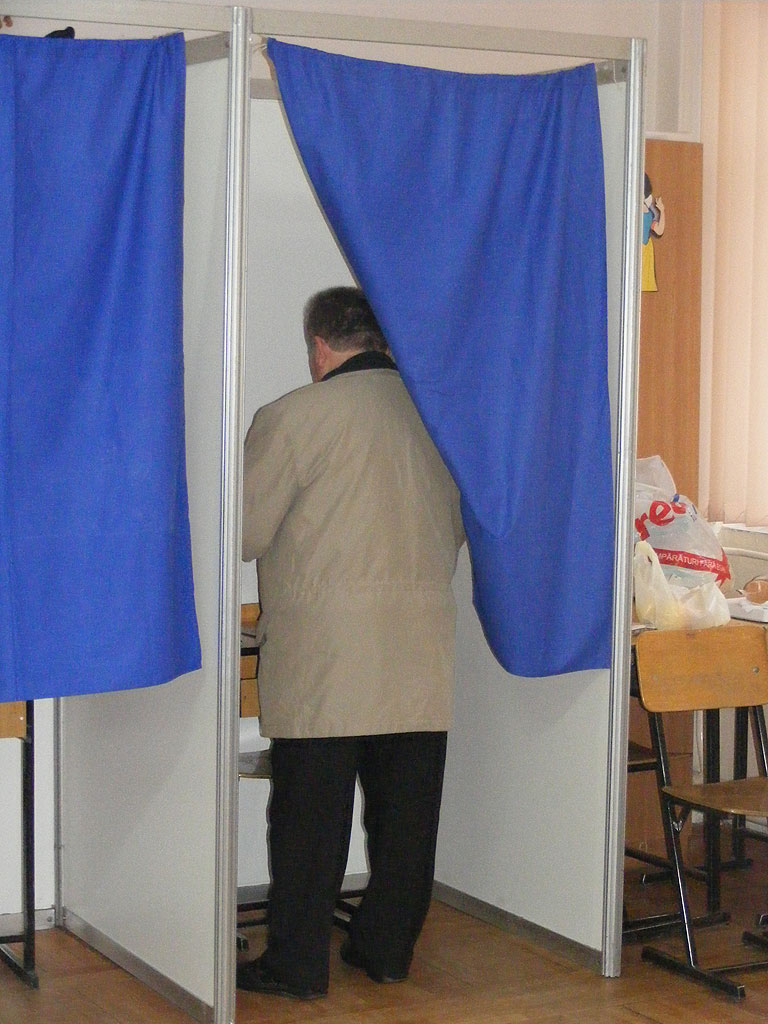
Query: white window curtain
734, 423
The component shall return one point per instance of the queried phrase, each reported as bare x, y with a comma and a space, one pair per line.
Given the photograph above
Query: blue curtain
471, 209
95, 569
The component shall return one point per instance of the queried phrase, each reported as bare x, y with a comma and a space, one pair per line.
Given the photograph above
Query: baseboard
13, 924
129, 962
580, 954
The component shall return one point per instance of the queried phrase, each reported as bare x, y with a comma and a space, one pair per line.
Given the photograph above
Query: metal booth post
624, 488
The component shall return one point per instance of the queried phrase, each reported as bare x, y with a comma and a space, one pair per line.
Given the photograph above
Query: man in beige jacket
355, 523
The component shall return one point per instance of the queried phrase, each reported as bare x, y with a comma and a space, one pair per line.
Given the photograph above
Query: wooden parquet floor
464, 972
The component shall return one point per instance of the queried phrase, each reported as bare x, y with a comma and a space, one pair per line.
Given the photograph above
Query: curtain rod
607, 72
207, 48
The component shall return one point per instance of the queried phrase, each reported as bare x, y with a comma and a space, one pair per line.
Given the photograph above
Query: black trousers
310, 818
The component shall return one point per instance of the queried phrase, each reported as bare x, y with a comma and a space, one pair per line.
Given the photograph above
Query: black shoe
351, 956
256, 976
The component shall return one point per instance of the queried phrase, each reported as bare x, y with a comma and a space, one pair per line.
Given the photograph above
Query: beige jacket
355, 523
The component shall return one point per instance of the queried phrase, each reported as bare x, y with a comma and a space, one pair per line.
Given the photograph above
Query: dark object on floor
256, 976
350, 956
62, 33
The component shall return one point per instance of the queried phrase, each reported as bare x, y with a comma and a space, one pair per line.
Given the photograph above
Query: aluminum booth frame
240, 26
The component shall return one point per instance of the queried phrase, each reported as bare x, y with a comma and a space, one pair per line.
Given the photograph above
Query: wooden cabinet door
670, 318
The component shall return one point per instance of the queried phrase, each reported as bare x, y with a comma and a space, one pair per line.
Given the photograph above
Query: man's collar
362, 361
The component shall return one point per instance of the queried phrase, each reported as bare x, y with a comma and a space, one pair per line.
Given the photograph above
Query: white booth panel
139, 767
10, 819
524, 810
292, 254
44, 812
10, 828
522, 826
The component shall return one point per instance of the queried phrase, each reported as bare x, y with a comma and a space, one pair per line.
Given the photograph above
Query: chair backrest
696, 669
13, 720
249, 689
249, 616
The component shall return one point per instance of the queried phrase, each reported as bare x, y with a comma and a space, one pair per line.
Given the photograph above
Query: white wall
673, 29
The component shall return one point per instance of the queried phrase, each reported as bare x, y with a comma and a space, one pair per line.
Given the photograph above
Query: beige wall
673, 29
709, 125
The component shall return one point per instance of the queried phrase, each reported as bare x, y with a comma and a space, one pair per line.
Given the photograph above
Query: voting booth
146, 789
138, 800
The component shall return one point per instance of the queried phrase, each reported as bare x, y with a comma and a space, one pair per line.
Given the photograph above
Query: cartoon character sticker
653, 224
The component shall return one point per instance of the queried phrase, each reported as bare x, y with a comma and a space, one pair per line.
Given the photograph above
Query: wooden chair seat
248, 665
249, 616
747, 797
249, 662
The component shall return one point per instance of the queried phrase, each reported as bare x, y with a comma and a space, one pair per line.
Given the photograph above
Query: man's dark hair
344, 320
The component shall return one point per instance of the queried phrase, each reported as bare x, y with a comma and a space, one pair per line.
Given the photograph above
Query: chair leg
715, 981
689, 967
673, 833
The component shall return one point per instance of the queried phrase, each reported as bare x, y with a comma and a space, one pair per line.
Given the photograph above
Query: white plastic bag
653, 472
686, 545
666, 605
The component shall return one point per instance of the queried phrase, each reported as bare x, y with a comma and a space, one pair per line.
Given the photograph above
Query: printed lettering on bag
660, 513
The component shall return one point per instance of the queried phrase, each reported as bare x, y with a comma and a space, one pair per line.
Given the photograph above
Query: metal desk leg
24, 966
711, 821
740, 743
